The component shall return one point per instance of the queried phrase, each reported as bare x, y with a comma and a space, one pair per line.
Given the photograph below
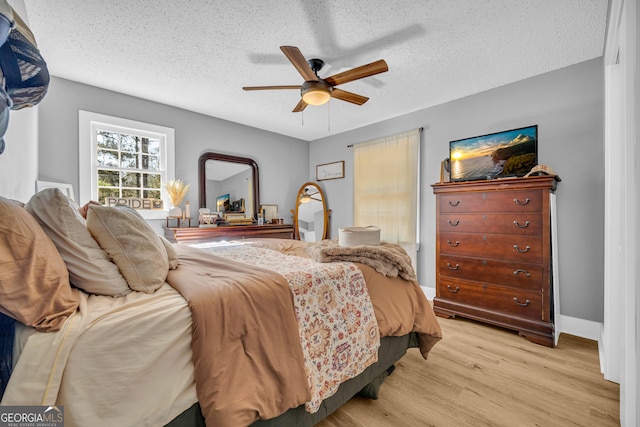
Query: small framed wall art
333, 170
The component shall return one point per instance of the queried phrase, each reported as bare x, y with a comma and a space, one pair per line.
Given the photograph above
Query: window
386, 188
124, 158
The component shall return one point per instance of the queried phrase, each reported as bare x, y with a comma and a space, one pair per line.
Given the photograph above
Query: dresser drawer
513, 302
515, 223
496, 246
507, 273
491, 201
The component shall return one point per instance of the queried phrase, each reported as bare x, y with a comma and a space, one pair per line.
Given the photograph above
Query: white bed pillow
171, 253
132, 244
90, 268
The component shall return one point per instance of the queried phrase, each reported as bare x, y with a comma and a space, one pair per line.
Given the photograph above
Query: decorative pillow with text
132, 244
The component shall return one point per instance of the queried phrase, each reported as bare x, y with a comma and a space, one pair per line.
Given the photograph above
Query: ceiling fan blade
360, 72
269, 87
301, 106
299, 61
343, 95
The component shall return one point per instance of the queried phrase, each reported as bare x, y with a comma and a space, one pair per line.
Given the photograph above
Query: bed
253, 332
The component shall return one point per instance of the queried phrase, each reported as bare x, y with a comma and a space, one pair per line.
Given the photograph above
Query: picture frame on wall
67, 189
327, 171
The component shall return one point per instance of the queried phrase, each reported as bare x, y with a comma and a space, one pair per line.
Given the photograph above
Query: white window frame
88, 125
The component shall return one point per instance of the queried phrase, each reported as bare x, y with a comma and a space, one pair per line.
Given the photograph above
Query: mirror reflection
310, 215
229, 184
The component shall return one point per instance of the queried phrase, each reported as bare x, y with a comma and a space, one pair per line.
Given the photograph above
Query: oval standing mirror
311, 218
226, 182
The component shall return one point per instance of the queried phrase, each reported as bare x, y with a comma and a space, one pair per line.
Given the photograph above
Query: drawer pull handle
457, 202
457, 289
526, 249
453, 224
525, 225
453, 268
518, 202
453, 245
526, 303
525, 272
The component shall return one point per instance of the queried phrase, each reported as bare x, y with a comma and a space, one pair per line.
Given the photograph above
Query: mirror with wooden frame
234, 178
311, 217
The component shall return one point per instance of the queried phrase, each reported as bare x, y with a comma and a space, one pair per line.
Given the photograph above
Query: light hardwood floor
479, 375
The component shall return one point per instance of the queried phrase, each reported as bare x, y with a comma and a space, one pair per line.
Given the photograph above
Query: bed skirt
391, 350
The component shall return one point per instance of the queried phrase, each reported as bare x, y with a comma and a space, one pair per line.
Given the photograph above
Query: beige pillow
90, 268
171, 253
132, 244
34, 283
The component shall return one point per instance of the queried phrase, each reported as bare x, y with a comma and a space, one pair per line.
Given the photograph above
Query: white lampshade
316, 93
316, 96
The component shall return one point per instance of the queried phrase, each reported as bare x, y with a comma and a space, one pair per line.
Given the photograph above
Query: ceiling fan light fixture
316, 93
316, 97
305, 198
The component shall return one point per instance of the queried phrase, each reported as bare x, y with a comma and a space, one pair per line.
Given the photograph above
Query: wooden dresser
493, 250
230, 232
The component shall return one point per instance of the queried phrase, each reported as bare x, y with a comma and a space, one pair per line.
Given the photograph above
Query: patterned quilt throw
336, 321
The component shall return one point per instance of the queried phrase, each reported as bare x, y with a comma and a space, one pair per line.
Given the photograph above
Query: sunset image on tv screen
502, 154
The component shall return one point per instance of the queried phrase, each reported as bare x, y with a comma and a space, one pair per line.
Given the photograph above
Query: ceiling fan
306, 196
316, 90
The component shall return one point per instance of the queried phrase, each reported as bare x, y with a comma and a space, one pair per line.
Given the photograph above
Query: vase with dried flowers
176, 190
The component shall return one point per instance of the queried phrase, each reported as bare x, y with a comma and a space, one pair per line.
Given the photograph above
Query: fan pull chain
329, 116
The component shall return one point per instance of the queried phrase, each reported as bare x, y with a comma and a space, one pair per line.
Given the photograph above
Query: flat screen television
222, 203
509, 153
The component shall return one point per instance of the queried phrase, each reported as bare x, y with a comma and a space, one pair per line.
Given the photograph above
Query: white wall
19, 162
568, 107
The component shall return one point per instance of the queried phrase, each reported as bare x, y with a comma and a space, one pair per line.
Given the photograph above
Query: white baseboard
580, 328
429, 292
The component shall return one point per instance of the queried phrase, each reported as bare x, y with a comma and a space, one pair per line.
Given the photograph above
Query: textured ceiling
198, 54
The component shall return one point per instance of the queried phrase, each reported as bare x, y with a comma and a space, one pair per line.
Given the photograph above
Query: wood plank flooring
480, 375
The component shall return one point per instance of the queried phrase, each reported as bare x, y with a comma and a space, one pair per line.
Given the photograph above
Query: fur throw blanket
388, 259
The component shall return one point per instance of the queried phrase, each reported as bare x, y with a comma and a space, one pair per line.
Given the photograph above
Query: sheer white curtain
386, 184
